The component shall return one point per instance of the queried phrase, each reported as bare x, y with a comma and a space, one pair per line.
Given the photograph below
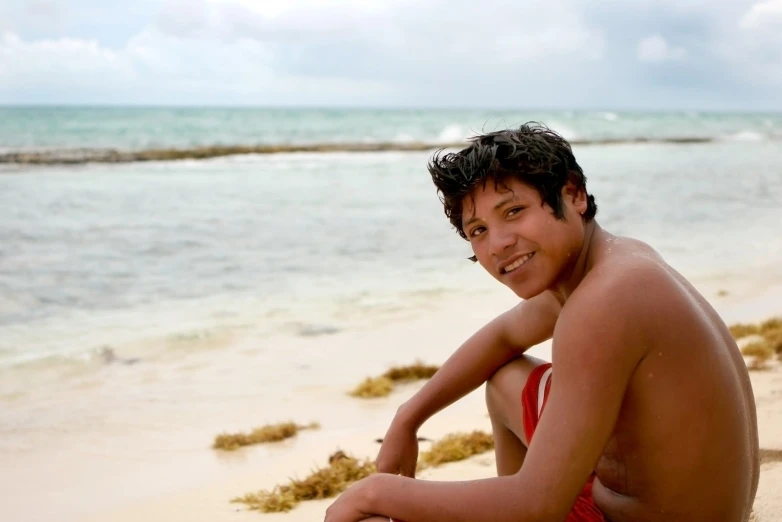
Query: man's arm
598, 343
509, 335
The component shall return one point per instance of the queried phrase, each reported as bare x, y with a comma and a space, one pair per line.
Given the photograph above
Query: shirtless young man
647, 414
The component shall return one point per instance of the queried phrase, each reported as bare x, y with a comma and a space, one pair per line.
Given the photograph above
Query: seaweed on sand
413, 372
763, 349
775, 323
382, 386
455, 447
774, 338
269, 433
768, 456
373, 387
740, 330
760, 352
344, 469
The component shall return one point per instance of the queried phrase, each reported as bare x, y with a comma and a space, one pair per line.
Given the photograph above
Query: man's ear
577, 197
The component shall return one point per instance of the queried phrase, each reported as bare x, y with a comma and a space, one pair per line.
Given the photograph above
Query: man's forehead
488, 195
485, 203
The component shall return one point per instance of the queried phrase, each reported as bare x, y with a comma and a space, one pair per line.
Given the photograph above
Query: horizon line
57, 105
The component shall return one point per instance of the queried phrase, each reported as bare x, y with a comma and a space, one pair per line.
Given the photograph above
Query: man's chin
526, 291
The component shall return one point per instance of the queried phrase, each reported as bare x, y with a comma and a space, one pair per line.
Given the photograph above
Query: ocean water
100, 256
69, 128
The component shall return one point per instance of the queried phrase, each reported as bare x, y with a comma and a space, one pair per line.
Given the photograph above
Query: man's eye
515, 210
475, 232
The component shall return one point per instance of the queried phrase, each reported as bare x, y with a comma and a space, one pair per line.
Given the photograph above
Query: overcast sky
612, 54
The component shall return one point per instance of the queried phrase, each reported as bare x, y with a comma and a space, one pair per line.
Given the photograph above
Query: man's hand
353, 504
399, 453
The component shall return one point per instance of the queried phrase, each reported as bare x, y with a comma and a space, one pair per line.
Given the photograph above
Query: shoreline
127, 336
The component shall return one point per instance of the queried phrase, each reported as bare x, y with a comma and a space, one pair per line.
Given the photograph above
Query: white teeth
513, 266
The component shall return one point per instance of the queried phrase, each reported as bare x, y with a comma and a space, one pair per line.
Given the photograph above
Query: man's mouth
518, 263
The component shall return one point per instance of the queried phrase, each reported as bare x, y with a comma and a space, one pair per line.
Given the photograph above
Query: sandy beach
182, 478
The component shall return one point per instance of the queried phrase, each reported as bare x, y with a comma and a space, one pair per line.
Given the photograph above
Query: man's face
518, 240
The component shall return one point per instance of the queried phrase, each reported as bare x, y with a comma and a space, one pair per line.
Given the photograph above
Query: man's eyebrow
503, 202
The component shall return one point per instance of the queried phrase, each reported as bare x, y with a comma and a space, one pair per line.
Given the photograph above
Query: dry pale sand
767, 386
297, 457
210, 504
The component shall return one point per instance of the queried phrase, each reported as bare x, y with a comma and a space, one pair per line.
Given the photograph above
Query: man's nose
500, 241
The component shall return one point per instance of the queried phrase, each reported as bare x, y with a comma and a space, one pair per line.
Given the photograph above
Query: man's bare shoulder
628, 272
623, 293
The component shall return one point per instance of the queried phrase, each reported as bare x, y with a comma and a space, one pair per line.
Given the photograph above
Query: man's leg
503, 399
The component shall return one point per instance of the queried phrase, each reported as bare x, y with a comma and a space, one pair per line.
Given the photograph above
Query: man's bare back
687, 426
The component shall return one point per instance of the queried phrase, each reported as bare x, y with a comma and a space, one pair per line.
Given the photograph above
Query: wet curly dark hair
533, 154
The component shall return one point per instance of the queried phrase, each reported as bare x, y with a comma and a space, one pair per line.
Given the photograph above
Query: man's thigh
503, 393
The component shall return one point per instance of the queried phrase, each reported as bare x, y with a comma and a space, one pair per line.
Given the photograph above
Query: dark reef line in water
86, 155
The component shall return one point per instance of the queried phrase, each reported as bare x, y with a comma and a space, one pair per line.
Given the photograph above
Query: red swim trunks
533, 400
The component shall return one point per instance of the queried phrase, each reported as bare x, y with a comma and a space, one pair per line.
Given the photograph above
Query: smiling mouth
518, 263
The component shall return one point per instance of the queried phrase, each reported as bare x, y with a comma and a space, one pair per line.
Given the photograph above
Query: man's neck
576, 272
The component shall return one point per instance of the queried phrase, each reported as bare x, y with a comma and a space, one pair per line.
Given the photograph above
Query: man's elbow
531, 505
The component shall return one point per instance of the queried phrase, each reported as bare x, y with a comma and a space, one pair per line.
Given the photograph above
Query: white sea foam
564, 131
609, 116
746, 135
403, 137
451, 134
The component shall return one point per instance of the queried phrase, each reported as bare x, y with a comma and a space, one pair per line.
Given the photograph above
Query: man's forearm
496, 499
469, 367
509, 335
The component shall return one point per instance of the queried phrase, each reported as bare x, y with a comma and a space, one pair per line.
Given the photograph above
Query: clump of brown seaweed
761, 350
413, 372
269, 433
455, 447
382, 386
91, 155
372, 387
741, 330
343, 470
775, 323
774, 338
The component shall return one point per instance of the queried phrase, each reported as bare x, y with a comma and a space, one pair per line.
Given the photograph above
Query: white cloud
757, 51
764, 16
61, 60
499, 29
157, 68
391, 52
340, 52
655, 49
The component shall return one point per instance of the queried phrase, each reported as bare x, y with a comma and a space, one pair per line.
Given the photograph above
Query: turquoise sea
73, 128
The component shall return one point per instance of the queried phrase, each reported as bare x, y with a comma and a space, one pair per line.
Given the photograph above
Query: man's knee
503, 389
